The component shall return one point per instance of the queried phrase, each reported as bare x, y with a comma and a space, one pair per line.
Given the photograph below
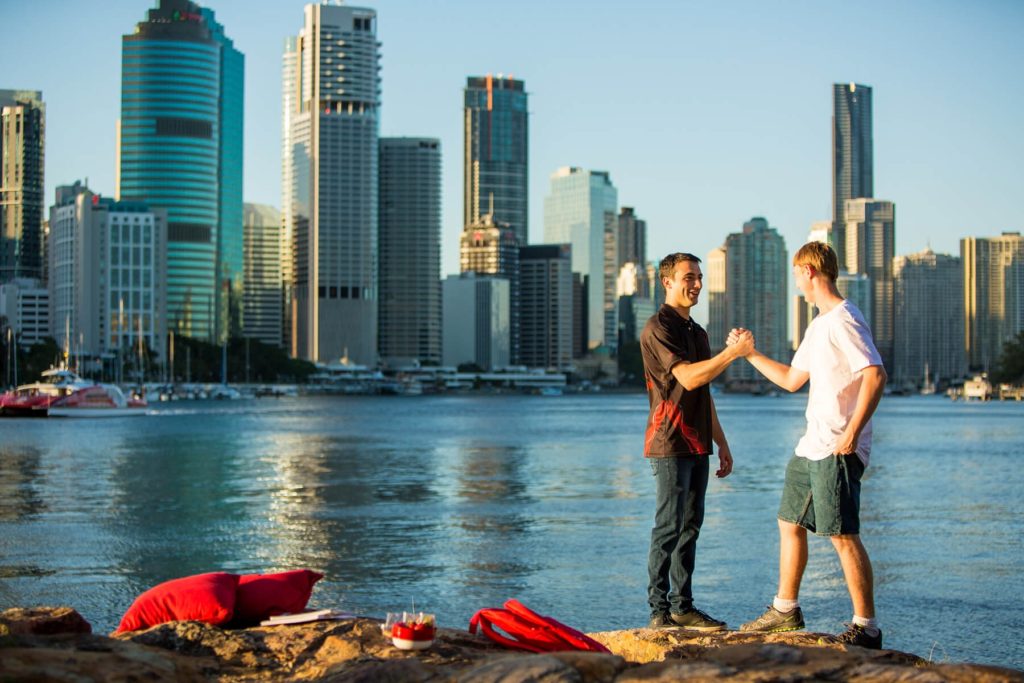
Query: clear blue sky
705, 114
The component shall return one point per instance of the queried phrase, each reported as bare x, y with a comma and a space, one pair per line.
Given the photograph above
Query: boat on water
62, 393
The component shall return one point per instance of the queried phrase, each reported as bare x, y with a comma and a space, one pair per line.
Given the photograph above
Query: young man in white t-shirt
822, 489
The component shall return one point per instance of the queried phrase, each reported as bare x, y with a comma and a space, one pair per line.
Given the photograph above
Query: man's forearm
693, 375
872, 386
774, 371
717, 433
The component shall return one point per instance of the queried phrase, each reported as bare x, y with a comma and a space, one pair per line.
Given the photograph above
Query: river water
458, 502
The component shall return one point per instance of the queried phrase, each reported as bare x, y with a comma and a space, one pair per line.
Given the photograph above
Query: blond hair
819, 256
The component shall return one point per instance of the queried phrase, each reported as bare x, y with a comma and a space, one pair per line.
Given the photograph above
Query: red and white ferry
62, 393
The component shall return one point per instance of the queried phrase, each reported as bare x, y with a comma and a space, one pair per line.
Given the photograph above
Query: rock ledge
56, 644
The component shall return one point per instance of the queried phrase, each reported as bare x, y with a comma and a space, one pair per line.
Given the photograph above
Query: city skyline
727, 112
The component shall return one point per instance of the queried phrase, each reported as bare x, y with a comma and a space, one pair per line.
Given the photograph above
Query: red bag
527, 630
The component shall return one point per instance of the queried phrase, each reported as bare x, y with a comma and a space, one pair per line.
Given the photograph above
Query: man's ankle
869, 624
785, 605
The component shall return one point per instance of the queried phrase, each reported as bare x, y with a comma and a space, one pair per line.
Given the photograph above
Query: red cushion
264, 595
203, 597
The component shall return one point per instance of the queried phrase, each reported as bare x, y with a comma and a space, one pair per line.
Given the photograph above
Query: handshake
741, 341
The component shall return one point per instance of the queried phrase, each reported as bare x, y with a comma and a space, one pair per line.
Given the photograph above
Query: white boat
62, 393
34, 400
98, 400
978, 387
223, 392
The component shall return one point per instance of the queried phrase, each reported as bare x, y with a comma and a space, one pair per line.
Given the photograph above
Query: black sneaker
661, 621
774, 621
859, 636
695, 620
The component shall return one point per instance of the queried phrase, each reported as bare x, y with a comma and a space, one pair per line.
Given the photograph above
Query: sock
869, 625
785, 605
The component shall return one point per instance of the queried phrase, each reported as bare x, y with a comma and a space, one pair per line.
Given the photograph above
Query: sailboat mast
141, 352
67, 341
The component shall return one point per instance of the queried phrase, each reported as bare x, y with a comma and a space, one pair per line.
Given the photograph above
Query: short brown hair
669, 263
819, 256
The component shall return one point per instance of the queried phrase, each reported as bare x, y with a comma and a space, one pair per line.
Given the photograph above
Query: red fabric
263, 595
580, 640
203, 597
530, 631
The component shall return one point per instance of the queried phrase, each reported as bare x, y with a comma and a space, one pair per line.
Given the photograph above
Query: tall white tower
331, 92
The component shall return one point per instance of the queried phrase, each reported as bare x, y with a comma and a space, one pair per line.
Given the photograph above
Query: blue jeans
681, 482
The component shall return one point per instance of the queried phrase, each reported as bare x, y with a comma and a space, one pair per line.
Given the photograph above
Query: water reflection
491, 472
20, 472
491, 516
176, 504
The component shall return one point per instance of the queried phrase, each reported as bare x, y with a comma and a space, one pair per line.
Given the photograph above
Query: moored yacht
62, 393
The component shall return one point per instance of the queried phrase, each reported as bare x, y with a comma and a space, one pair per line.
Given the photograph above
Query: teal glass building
497, 153
180, 149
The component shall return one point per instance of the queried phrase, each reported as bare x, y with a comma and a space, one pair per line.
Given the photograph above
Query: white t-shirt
837, 346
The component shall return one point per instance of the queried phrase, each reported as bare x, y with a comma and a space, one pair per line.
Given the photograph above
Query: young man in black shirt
678, 367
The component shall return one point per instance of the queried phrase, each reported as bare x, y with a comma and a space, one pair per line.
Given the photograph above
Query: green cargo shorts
823, 496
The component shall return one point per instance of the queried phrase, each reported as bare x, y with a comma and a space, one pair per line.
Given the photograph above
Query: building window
183, 127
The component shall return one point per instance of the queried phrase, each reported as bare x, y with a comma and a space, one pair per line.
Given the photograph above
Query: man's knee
791, 530
847, 543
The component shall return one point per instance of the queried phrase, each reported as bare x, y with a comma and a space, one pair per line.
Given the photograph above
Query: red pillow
203, 597
263, 595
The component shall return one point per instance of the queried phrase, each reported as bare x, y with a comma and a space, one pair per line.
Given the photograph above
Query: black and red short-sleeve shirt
680, 420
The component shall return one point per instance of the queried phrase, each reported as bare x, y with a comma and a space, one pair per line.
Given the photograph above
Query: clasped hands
742, 339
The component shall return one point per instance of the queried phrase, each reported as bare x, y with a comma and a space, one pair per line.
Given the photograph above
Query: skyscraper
262, 302
289, 98
870, 247
929, 319
756, 266
496, 149
180, 149
488, 247
410, 250
993, 277
545, 276
852, 152
22, 138
715, 291
803, 314
108, 264
230, 232
858, 289
581, 210
332, 84
635, 302
632, 238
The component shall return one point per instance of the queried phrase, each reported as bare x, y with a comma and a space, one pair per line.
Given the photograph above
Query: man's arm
693, 375
718, 436
872, 385
785, 376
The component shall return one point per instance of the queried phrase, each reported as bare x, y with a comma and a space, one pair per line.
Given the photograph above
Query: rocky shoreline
57, 644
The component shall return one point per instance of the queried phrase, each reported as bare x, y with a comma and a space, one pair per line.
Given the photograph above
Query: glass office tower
180, 149
496, 136
22, 137
410, 250
852, 153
